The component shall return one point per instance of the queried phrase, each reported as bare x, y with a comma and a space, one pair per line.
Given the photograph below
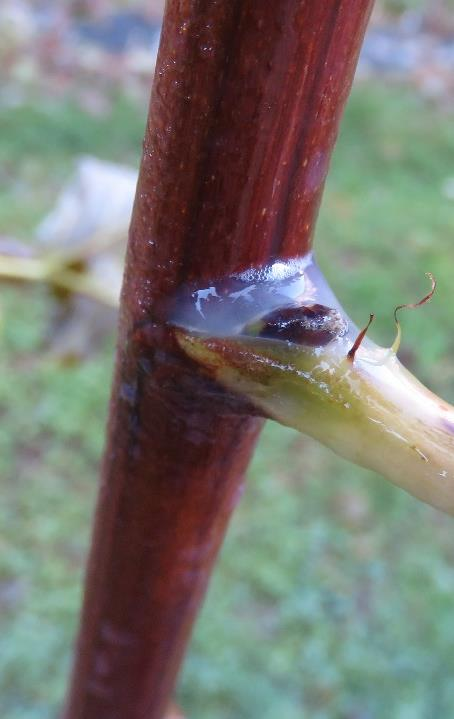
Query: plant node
305, 366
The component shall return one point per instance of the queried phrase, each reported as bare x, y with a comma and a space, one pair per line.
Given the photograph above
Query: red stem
244, 114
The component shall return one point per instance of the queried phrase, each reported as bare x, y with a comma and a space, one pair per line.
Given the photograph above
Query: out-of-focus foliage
39, 143
399, 6
333, 595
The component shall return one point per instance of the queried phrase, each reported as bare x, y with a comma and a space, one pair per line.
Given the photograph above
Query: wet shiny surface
228, 305
311, 325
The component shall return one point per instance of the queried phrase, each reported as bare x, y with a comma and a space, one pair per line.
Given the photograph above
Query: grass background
334, 594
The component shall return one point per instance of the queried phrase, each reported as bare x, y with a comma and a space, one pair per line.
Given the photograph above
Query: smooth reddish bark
244, 114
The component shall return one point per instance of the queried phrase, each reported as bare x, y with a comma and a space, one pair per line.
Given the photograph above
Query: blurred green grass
38, 144
333, 596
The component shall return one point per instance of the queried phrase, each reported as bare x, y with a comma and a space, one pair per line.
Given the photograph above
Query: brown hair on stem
412, 305
351, 353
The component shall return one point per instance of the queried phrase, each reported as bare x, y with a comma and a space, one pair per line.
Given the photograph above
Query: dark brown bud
313, 325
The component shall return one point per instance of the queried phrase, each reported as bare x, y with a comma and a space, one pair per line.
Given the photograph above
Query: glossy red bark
244, 114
